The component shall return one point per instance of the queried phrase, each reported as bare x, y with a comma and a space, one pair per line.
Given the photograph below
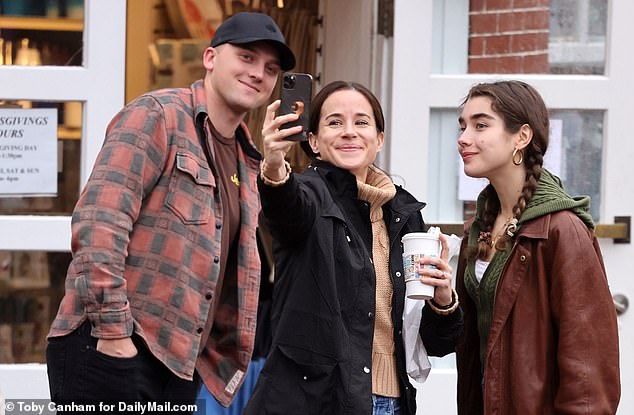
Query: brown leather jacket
553, 344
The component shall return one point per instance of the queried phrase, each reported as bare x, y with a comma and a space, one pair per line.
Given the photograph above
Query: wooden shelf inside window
24, 286
41, 23
68, 133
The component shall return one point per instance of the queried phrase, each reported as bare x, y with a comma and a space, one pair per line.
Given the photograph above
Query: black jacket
324, 297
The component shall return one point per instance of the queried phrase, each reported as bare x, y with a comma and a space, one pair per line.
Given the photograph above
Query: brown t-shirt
226, 163
225, 158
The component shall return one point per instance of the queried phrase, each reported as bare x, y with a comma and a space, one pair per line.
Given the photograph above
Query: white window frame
99, 83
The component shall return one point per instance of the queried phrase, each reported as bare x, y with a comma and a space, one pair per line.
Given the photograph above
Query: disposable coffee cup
417, 245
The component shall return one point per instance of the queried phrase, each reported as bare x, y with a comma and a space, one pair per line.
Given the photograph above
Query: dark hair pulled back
318, 102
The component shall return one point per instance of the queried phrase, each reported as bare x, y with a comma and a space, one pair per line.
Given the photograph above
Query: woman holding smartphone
540, 331
339, 287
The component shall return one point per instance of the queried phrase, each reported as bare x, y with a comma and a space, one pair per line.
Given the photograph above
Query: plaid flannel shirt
146, 240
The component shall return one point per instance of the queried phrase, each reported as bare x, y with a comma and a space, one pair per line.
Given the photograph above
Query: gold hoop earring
515, 153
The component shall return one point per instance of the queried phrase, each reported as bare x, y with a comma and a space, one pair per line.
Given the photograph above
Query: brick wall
508, 36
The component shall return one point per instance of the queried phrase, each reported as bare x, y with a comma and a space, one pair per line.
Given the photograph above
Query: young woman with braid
540, 333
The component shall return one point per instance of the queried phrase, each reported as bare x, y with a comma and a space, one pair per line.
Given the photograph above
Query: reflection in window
41, 32
577, 36
574, 153
31, 287
582, 150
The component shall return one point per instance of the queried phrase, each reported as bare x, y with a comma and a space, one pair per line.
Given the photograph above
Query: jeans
382, 405
78, 373
212, 407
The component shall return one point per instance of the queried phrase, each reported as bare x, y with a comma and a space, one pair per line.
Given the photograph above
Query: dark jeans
78, 373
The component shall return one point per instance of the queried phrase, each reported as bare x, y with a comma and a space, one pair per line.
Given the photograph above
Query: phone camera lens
289, 82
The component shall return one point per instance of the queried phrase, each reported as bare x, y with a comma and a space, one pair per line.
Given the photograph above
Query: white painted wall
25, 381
347, 36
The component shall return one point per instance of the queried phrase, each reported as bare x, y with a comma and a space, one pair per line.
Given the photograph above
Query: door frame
99, 83
416, 91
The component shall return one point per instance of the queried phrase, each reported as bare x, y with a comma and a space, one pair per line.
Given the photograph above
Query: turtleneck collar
377, 190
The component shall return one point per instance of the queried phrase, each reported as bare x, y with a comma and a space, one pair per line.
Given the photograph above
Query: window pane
38, 32
574, 154
581, 153
39, 173
532, 36
31, 288
577, 36
442, 169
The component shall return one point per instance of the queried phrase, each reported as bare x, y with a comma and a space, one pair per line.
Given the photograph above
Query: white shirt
480, 268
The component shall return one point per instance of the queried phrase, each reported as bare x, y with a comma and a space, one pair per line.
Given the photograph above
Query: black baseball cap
248, 27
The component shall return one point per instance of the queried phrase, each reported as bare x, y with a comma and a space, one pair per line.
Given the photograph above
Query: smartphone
297, 90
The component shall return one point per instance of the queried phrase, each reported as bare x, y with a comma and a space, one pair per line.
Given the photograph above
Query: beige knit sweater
377, 190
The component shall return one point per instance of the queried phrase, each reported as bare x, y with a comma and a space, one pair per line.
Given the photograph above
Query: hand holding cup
427, 270
439, 274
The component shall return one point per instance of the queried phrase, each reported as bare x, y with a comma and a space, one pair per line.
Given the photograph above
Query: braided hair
518, 104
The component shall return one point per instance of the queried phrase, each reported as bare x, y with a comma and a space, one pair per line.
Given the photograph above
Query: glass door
62, 76
578, 55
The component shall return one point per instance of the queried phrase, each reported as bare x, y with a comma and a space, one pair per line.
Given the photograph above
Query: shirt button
366, 369
305, 377
523, 258
216, 259
398, 273
208, 296
218, 225
397, 220
200, 330
370, 315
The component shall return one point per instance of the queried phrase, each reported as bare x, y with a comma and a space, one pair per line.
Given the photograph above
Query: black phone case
297, 89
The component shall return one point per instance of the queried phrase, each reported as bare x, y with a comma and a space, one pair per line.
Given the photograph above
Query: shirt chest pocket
190, 190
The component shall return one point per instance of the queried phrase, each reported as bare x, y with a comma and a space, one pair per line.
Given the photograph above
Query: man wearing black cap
163, 287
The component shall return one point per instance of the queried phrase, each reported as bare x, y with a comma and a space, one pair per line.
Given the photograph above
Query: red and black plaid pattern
146, 241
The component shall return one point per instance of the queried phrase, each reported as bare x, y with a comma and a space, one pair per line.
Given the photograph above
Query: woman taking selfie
540, 333
339, 286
